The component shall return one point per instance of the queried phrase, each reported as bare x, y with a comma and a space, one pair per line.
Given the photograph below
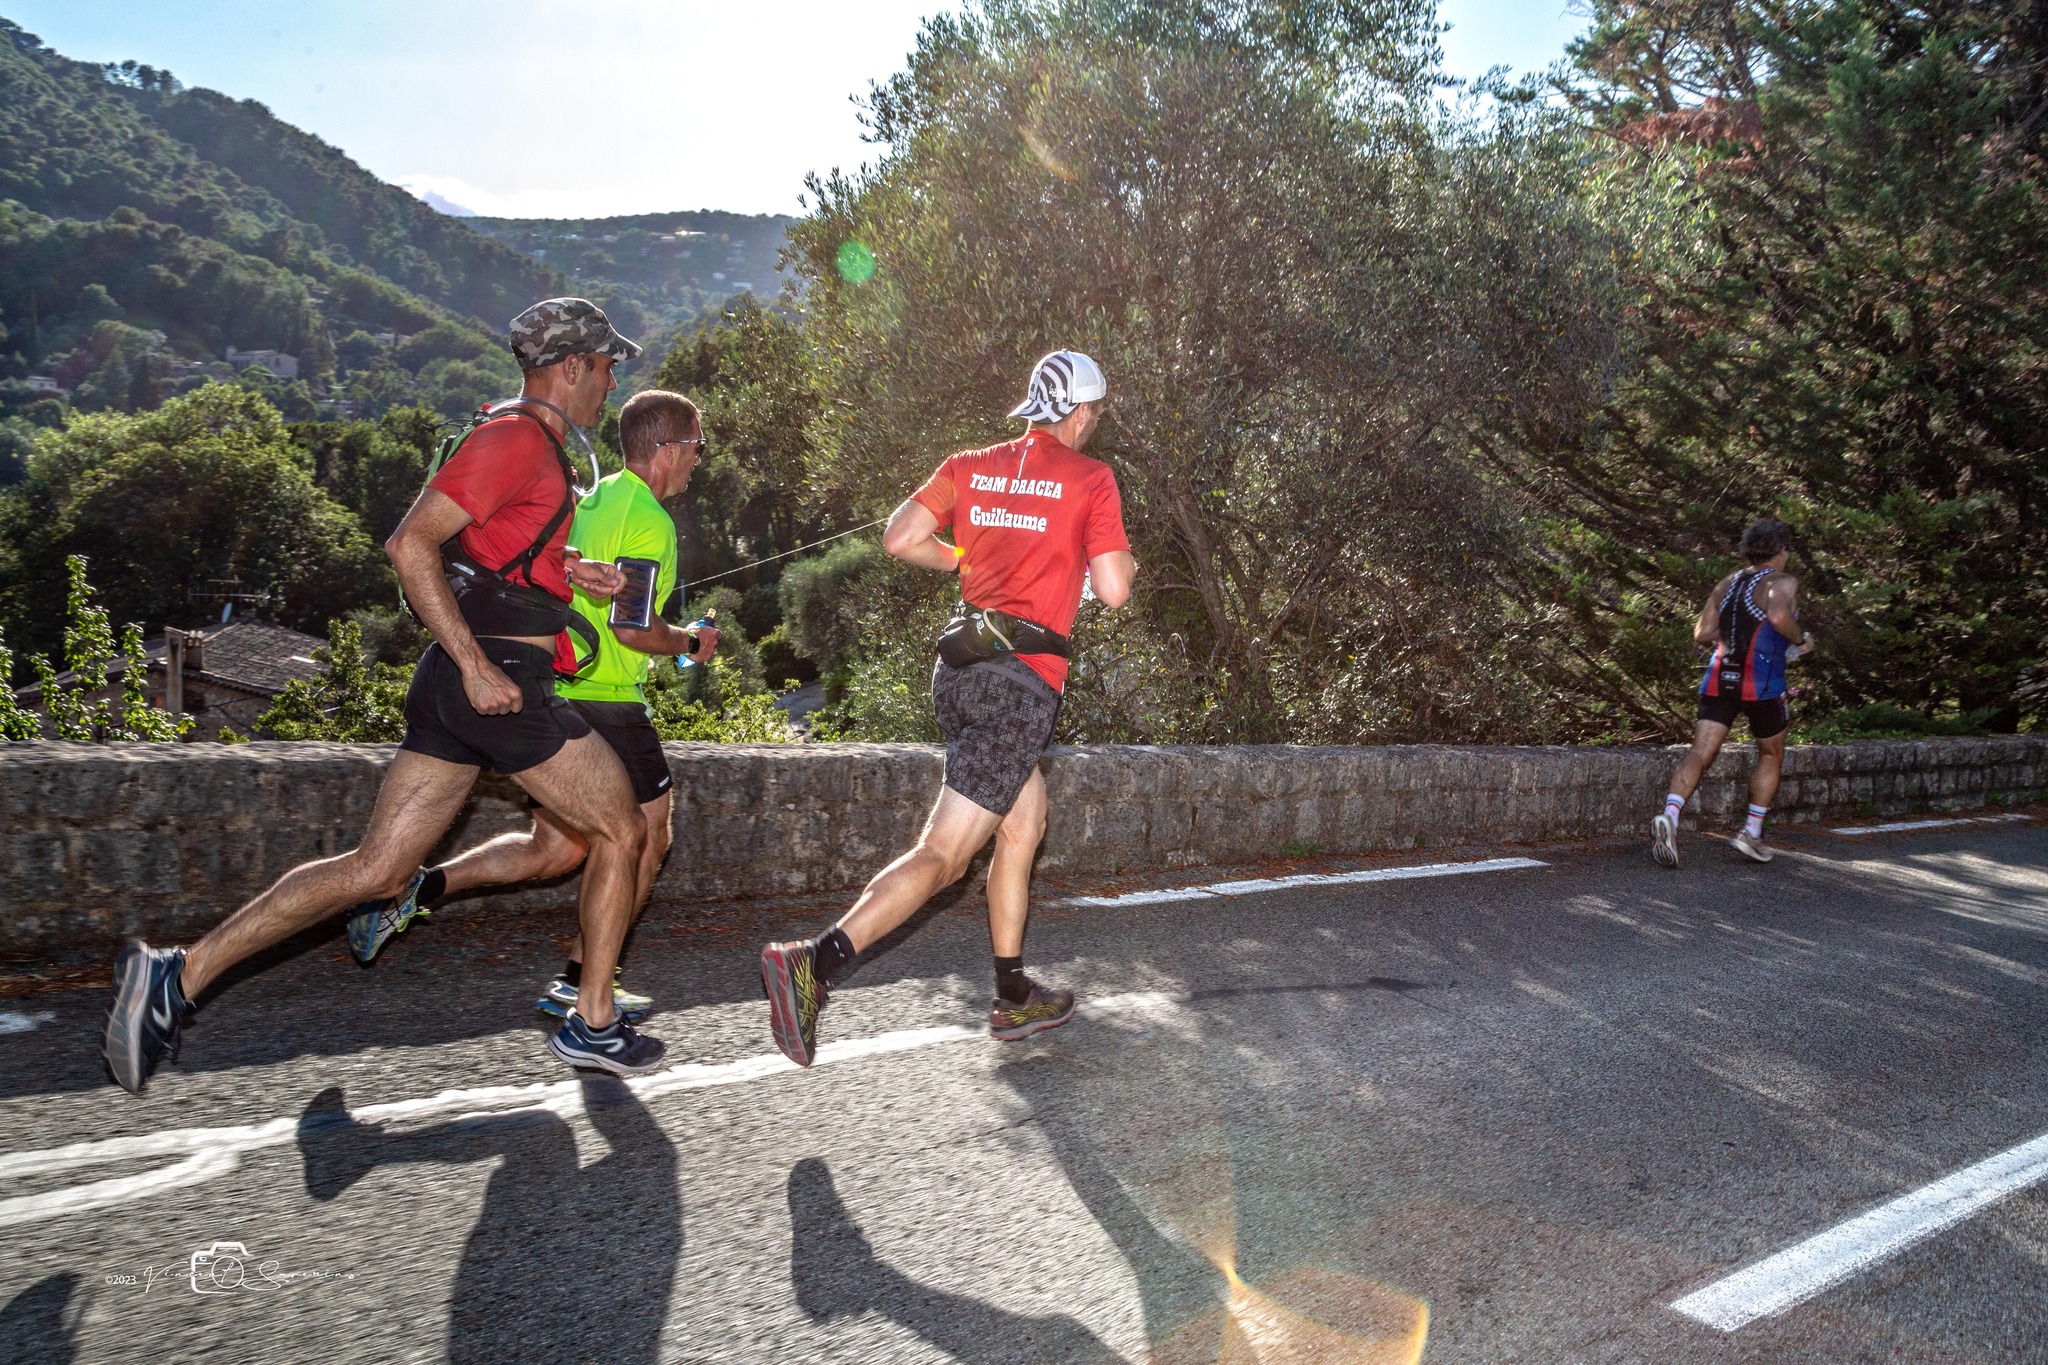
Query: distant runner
1030, 517
482, 698
621, 519
1752, 620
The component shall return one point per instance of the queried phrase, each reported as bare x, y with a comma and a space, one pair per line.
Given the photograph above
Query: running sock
835, 951
1673, 804
1754, 826
433, 886
1011, 983
573, 973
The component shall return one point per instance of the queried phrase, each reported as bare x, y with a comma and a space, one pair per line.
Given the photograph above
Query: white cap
1060, 383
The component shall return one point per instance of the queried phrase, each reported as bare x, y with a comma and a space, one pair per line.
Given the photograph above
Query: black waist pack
975, 635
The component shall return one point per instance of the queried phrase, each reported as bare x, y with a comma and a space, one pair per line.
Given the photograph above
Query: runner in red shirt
1033, 520
482, 698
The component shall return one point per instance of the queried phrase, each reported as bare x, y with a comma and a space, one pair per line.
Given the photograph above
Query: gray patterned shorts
997, 718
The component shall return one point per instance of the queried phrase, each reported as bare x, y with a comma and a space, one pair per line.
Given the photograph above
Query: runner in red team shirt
482, 698
1033, 519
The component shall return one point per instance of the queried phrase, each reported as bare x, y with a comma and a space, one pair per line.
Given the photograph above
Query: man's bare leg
953, 834
1707, 738
420, 798
1009, 872
1770, 766
586, 786
548, 849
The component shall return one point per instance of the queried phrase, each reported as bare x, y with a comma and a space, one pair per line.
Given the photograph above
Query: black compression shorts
440, 722
624, 725
997, 718
1766, 718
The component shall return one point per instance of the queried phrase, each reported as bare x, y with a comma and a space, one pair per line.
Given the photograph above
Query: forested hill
672, 265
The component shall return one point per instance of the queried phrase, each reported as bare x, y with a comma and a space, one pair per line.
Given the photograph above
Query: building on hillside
43, 383
226, 676
279, 364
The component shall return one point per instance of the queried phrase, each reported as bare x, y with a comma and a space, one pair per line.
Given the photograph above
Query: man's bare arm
913, 537
414, 550
663, 639
1782, 606
1708, 628
1110, 575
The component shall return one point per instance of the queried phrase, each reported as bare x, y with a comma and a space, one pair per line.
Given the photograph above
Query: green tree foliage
825, 598
356, 701
375, 471
1315, 293
1862, 356
76, 709
208, 487
750, 373
16, 720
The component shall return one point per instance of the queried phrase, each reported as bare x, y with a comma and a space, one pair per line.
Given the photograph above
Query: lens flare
856, 262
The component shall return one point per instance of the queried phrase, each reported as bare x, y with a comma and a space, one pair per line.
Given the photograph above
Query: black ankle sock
1011, 983
434, 885
573, 973
835, 952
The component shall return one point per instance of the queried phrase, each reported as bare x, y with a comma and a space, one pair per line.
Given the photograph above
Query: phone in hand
633, 605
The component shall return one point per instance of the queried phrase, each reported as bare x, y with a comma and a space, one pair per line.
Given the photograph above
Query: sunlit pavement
1509, 1117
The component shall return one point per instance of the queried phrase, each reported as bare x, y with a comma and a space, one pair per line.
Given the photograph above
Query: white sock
1673, 804
1754, 826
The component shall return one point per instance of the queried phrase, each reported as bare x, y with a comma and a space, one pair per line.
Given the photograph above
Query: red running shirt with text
1027, 516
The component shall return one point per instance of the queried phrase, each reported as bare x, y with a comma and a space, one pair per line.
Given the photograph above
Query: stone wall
98, 842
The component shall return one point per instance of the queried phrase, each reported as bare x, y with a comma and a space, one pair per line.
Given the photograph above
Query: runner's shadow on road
515, 1295
836, 1274
33, 1329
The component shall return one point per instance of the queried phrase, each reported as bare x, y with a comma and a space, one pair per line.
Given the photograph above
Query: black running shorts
624, 725
440, 722
1766, 718
997, 718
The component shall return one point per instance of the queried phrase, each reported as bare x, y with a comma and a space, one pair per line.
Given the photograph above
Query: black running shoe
149, 1011
1041, 1010
620, 1049
796, 993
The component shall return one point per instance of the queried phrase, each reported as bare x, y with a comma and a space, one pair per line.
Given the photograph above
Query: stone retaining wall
102, 841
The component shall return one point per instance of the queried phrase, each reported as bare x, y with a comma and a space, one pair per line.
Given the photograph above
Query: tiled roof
250, 656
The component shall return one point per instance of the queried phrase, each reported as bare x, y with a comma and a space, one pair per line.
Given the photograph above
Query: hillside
146, 228
671, 265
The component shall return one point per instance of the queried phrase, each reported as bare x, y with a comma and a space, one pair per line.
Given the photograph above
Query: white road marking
1799, 1272
12, 1021
205, 1153
1252, 887
1933, 824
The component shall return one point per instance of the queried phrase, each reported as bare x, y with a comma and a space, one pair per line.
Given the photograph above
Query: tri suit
1747, 673
509, 475
1027, 516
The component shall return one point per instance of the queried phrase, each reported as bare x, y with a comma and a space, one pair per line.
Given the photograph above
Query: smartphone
633, 605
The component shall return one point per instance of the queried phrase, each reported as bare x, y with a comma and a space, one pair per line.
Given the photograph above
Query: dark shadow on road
565, 1260
33, 1329
836, 1274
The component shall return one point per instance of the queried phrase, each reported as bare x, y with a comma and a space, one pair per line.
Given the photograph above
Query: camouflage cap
554, 329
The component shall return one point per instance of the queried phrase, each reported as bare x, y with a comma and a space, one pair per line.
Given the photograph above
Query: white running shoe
1756, 850
1664, 841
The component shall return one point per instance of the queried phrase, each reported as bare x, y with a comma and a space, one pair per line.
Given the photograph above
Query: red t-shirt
1028, 515
507, 478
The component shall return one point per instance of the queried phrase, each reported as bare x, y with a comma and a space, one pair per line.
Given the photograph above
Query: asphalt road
1516, 1115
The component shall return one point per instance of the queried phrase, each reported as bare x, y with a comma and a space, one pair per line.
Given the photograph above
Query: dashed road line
207, 1153
1820, 1262
1905, 825
1262, 884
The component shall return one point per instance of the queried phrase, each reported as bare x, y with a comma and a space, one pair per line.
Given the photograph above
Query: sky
526, 109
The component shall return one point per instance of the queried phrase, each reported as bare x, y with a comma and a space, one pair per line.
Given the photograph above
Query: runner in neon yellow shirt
622, 517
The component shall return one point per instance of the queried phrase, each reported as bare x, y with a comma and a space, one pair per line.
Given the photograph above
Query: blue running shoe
618, 1049
148, 1014
371, 924
561, 998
